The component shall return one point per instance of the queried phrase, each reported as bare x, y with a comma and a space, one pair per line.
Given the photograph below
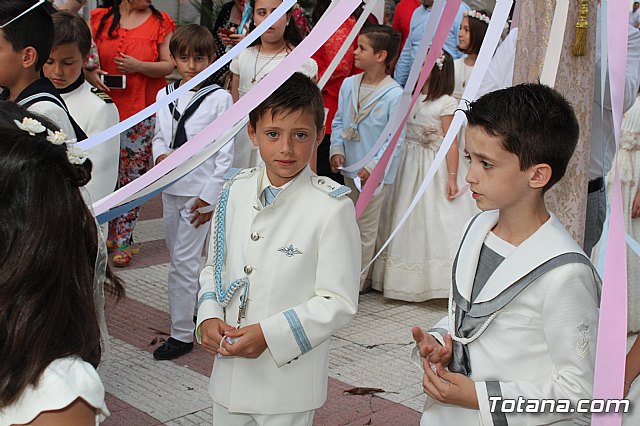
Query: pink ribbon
612, 327
239, 110
446, 20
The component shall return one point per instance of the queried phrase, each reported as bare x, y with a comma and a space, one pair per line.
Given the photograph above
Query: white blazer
542, 344
301, 255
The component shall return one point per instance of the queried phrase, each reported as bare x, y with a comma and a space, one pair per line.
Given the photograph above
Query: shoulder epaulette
102, 95
332, 188
234, 174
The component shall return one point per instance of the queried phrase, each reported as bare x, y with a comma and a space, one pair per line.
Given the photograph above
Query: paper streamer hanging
219, 63
612, 326
492, 37
554, 46
345, 45
240, 110
446, 21
404, 106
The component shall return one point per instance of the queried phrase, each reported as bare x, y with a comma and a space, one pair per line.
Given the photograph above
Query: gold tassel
579, 47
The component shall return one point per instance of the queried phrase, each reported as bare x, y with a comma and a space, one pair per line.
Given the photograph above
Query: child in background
93, 110
50, 329
288, 244
472, 31
254, 63
524, 299
188, 203
365, 105
26, 36
416, 265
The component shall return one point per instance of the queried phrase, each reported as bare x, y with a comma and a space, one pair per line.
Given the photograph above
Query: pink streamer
612, 328
446, 20
262, 90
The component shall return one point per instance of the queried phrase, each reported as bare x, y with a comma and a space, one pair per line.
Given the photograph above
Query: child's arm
296, 331
635, 207
452, 160
159, 146
337, 126
392, 99
569, 324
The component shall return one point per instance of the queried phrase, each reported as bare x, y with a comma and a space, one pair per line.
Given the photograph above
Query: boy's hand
449, 388
212, 331
160, 158
248, 342
199, 218
430, 348
363, 174
635, 207
452, 187
337, 161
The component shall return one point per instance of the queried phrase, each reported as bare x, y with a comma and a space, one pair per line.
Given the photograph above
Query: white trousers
368, 225
222, 417
185, 243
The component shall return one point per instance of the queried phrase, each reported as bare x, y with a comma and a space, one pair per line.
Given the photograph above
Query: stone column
575, 80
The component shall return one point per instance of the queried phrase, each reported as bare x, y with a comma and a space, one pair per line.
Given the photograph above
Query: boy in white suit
91, 108
523, 309
282, 271
188, 203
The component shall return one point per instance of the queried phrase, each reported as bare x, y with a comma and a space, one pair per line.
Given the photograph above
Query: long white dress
252, 66
629, 160
61, 383
462, 73
417, 263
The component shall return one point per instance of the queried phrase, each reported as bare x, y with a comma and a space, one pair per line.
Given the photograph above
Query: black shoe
171, 349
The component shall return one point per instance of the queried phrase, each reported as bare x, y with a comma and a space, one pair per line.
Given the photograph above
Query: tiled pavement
372, 351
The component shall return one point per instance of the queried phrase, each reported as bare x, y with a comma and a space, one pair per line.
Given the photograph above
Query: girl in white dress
417, 263
255, 62
52, 270
470, 37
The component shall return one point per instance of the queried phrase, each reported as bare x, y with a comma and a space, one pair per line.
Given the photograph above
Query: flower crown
478, 15
440, 61
32, 126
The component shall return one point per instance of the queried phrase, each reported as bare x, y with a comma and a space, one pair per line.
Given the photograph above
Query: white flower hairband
32, 126
440, 61
478, 15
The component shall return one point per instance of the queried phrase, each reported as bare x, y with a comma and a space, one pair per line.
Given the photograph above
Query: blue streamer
120, 210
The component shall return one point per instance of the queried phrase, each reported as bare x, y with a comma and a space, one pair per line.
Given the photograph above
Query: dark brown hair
297, 93
47, 257
477, 31
192, 39
532, 121
441, 81
114, 10
71, 28
33, 29
384, 38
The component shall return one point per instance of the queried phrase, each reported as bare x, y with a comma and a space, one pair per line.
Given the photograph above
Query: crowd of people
274, 208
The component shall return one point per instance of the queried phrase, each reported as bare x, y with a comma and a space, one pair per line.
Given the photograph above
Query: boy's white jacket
542, 344
206, 180
302, 257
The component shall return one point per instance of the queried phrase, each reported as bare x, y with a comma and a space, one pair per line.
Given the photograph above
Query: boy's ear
29, 57
541, 174
320, 136
381, 56
252, 134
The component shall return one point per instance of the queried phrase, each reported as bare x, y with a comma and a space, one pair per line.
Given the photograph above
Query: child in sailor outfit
523, 308
188, 203
282, 272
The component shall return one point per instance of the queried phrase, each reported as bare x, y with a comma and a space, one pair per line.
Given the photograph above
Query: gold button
255, 236
248, 269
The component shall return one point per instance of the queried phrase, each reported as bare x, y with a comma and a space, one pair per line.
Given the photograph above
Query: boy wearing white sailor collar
523, 308
283, 267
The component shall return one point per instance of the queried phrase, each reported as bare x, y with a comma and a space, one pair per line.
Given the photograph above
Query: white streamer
156, 106
554, 46
345, 46
492, 37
